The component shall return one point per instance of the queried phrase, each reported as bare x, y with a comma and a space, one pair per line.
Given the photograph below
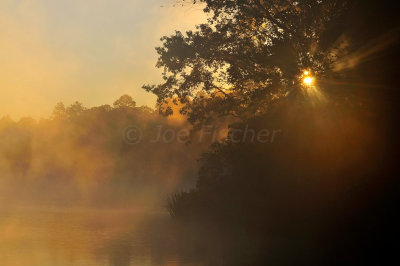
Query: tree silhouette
250, 54
59, 111
75, 109
304, 200
125, 101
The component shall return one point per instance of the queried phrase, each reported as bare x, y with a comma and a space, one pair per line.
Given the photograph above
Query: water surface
86, 237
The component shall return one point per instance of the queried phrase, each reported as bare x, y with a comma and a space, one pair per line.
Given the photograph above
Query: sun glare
309, 87
308, 80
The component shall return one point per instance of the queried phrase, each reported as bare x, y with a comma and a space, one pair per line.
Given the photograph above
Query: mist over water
82, 188
86, 161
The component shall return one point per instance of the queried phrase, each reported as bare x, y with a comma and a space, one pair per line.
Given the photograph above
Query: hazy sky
91, 51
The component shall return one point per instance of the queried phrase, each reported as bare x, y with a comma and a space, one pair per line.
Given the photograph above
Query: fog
80, 158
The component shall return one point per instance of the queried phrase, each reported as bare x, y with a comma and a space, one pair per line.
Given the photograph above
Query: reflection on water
116, 238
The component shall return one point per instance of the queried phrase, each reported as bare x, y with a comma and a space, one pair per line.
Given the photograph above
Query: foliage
83, 155
249, 55
324, 193
125, 101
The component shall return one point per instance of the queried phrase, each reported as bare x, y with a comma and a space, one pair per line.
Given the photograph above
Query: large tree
250, 54
324, 193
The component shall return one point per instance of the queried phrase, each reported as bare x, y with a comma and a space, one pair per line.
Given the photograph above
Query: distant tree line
79, 156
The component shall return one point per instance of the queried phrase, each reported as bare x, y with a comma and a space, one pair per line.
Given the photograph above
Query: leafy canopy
125, 101
249, 54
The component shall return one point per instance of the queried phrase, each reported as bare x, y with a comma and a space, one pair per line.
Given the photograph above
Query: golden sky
91, 51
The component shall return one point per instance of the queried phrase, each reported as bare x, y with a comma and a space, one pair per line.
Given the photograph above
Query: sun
308, 80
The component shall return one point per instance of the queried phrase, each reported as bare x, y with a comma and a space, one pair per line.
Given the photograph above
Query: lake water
86, 237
